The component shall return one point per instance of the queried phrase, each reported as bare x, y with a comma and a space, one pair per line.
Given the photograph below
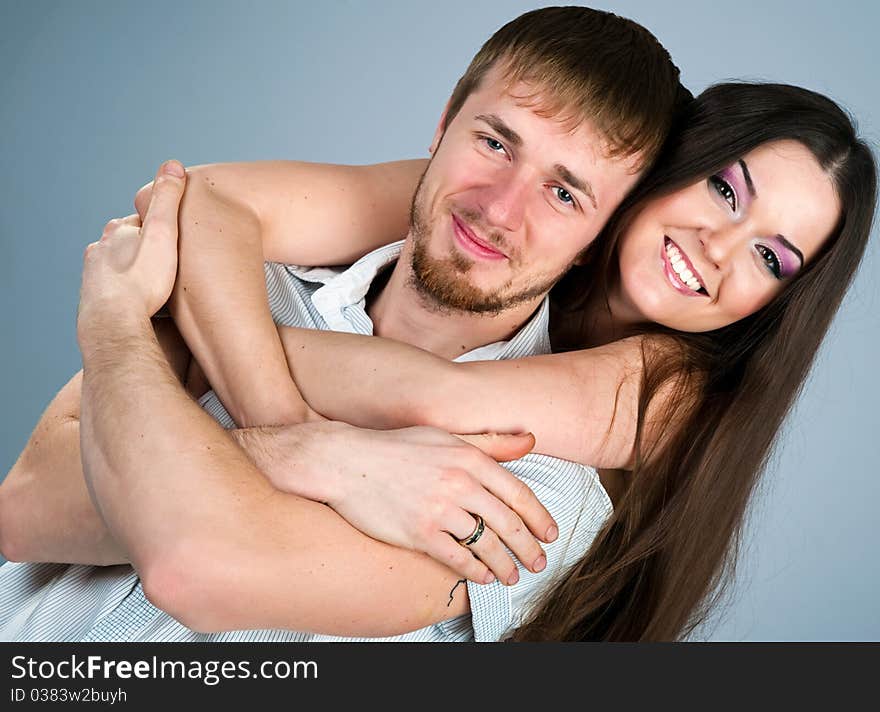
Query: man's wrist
291, 457
108, 332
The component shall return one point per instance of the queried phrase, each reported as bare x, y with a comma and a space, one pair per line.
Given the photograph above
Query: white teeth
680, 268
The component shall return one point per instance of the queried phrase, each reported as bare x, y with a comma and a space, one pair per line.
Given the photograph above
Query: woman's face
715, 252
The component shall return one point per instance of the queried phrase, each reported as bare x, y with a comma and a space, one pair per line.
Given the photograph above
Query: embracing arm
46, 513
234, 217
580, 406
208, 534
215, 544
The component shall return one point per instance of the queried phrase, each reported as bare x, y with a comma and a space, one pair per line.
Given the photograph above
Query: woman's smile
681, 272
732, 240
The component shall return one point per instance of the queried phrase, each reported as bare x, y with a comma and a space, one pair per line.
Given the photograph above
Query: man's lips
473, 244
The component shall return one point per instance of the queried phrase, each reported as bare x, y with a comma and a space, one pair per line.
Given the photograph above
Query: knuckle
502, 564
164, 181
452, 479
521, 494
468, 454
456, 558
144, 192
477, 572
512, 524
424, 529
435, 512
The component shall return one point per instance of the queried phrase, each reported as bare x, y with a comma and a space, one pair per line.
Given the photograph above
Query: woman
716, 368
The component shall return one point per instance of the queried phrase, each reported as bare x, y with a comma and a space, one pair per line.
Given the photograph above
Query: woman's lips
673, 277
473, 244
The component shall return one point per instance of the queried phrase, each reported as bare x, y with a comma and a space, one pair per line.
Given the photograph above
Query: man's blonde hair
589, 65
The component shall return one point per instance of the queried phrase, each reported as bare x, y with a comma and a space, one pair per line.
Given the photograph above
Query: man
541, 140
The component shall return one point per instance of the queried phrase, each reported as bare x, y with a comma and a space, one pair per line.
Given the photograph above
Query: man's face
509, 201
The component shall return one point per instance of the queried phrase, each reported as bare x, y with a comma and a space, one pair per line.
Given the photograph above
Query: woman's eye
724, 189
563, 195
771, 260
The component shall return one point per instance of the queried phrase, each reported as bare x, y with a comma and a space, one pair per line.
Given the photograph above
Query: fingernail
540, 563
552, 533
514, 577
173, 168
489, 578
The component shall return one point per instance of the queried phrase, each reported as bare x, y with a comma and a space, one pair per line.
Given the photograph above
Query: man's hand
418, 488
130, 271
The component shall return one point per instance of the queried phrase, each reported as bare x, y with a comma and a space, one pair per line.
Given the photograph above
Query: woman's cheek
747, 302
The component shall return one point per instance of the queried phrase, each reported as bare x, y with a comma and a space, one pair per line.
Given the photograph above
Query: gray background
96, 94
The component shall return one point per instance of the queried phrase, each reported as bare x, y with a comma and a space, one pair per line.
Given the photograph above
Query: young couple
681, 259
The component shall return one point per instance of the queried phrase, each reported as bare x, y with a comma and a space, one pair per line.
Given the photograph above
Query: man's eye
494, 145
563, 195
724, 189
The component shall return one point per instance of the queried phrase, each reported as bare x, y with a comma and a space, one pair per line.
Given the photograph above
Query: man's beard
443, 283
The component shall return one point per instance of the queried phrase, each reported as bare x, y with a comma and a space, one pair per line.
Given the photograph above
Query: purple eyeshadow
788, 261
734, 177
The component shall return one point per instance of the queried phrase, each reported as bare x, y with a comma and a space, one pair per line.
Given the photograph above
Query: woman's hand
417, 488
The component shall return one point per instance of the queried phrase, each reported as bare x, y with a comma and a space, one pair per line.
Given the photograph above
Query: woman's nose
720, 244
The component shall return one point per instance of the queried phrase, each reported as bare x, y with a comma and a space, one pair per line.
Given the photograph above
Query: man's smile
472, 244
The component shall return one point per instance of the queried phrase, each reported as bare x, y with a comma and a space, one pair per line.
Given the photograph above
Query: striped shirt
67, 602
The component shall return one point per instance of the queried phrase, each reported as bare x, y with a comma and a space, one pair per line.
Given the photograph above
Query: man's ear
440, 130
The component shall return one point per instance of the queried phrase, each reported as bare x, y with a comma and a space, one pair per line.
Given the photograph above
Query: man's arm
215, 544
45, 510
204, 529
200, 524
46, 513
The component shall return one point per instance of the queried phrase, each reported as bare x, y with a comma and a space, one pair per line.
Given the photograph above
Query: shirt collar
341, 303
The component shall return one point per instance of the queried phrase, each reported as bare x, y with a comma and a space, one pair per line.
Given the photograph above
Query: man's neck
399, 311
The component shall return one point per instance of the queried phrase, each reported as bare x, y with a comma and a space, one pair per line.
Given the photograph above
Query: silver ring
475, 535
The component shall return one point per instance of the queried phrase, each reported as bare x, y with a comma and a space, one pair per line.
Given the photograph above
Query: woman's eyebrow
748, 177
790, 246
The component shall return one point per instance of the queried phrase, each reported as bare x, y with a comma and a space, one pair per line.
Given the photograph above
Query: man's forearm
141, 439
216, 545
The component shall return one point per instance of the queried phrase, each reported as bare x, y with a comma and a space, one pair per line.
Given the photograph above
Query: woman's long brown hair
663, 558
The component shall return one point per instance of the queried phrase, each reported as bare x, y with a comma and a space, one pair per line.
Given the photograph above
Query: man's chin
445, 289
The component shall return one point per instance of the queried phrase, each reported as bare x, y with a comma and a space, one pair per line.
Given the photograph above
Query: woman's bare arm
235, 216
580, 406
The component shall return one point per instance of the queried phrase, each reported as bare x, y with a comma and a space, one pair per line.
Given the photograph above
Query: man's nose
503, 202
